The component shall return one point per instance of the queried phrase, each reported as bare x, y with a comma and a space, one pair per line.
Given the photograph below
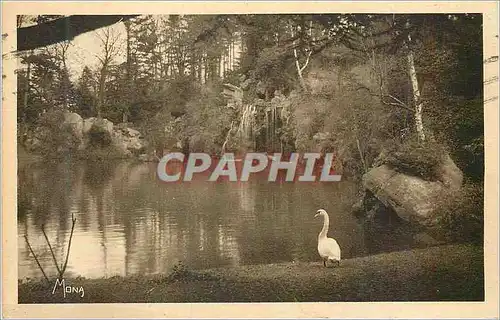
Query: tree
110, 48
61, 54
86, 93
128, 91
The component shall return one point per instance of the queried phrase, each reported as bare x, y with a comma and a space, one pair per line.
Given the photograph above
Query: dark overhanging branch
63, 29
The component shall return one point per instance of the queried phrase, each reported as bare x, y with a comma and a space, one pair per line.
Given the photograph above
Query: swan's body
328, 248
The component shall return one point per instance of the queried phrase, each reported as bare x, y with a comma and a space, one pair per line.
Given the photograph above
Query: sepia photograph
279, 157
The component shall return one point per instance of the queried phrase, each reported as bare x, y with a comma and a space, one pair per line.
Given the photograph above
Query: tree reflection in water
129, 222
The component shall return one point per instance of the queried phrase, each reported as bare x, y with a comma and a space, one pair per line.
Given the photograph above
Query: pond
129, 222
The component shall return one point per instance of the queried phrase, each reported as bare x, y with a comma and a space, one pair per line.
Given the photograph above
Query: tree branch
398, 102
51, 251
307, 61
36, 259
63, 269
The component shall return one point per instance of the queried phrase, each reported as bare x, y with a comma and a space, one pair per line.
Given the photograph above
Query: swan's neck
326, 223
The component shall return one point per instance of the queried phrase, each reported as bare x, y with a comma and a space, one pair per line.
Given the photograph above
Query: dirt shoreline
444, 273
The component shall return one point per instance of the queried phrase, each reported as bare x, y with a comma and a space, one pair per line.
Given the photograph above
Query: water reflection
128, 222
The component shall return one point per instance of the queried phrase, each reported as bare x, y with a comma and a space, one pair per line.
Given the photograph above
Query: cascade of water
274, 115
247, 122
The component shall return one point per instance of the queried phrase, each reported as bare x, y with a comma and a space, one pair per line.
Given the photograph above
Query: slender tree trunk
192, 65
200, 68
128, 96
205, 68
416, 95
102, 89
27, 86
168, 68
339, 81
361, 156
66, 78
219, 64
230, 53
65, 89
26, 98
301, 68
233, 49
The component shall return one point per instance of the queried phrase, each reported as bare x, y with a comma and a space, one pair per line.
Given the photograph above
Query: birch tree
417, 100
297, 33
401, 41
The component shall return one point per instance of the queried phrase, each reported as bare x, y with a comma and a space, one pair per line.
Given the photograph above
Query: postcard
250, 159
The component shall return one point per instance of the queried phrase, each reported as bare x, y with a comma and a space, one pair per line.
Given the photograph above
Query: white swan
328, 248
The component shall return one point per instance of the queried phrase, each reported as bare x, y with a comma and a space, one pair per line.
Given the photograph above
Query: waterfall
272, 113
247, 122
275, 114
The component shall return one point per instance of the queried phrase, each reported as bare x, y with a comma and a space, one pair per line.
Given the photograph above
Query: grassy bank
453, 272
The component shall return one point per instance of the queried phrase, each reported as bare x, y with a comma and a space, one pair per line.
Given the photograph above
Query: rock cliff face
126, 141
410, 197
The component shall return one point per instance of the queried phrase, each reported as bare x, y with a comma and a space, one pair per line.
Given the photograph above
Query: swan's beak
316, 215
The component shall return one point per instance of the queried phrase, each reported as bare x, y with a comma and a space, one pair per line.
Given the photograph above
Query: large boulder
261, 89
411, 197
448, 173
233, 93
120, 143
85, 134
132, 133
136, 145
87, 124
128, 140
103, 124
75, 122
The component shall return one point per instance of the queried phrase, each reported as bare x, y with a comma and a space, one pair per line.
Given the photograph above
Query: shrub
416, 158
461, 214
99, 137
55, 139
207, 121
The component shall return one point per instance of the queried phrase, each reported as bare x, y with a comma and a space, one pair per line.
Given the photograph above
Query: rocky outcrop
232, 92
84, 133
448, 173
103, 124
412, 198
75, 122
128, 140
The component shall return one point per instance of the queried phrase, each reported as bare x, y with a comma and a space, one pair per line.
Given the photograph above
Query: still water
128, 222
